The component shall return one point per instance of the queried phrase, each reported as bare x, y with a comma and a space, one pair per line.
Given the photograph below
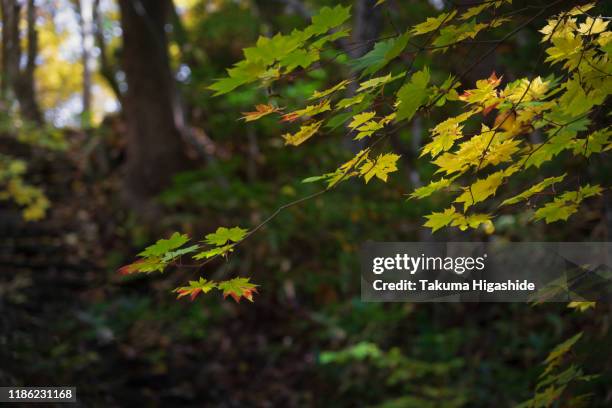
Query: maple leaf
555, 211
152, 264
290, 117
224, 235
561, 349
413, 94
339, 86
485, 93
347, 102
238, 288
382, 53
131, 268
329, 18
433, 23
474, 11
195, 288
378, 81
380, 167
474, 221
361, 118
536, 188
431, 188
437, 220
299, 58
309, 111
581, 306
593, 26
261, 110
480, 190
170, 255
305, 133
368, 129
221, 250
566, 204
165, 245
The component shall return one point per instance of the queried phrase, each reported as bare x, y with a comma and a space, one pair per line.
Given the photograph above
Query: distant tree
154, 145
18, 80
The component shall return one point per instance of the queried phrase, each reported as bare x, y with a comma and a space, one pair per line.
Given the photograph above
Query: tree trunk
85, 20
20, 81
107, 70
154, 145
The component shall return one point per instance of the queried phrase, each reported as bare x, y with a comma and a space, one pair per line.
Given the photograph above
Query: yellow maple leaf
305, 133
380, 167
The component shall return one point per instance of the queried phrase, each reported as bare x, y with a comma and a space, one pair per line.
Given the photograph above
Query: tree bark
85, 20
154, 145
107, 70
20, 81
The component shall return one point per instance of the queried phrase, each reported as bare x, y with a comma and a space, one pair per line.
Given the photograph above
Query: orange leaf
494, 80
131, 268
290, 117
489, 108
261, 110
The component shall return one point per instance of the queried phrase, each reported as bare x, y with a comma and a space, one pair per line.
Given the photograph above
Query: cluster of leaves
558, 374
475, 163
165, 252
33, 134
273, 57
401, 370
560, 108
32, 199
13, 185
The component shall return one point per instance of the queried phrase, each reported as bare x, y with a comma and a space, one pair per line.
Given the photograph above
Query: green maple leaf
222, 250
299, 58
556, 211
161, 247
238, 288
369, 62
224, 235
536, 188
168, 256
328, 18
412, 95
382, 54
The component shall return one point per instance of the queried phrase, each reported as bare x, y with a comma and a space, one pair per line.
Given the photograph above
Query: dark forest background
106, 103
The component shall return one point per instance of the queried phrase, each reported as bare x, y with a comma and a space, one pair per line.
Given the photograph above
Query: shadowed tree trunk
106, 69
85, 20
20, 81
154, 145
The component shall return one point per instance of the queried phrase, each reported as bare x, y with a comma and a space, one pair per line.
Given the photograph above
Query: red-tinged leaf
290, 117
195, 288
193, 293
261, 110
465, 95
238, 288
494, 80
489, 108
145, 265
131, 268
